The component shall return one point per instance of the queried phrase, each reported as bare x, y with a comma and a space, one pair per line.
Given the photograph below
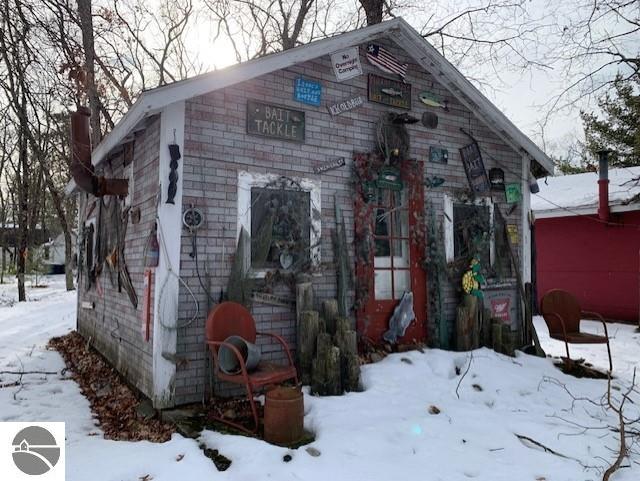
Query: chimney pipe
82, 169
603, 185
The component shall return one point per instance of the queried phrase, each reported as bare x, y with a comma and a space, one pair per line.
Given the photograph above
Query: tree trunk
86, 26
373, 10
68, 261
64, 224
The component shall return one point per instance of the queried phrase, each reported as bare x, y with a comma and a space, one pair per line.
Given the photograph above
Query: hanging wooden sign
307, 91
346, 63
275, 121
330, 165
389, 92
474, 168
346, 105
389, 178
513, 193
272, 299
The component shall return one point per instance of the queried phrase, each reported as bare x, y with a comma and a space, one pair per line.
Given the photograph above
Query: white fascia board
432, 61
577, 211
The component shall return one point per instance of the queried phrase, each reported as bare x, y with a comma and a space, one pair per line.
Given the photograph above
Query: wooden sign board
474, 168
389, 92
307, 91
512, 232
272, 299
275, 121
346, 105
330, 165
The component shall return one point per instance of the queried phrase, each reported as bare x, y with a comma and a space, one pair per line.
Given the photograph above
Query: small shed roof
398, 30
577, 194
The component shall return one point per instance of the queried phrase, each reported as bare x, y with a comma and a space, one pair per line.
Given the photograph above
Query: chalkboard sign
275, 121
307, 91
474, 167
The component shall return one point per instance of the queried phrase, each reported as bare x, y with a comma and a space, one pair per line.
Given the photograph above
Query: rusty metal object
82, 169
283, 415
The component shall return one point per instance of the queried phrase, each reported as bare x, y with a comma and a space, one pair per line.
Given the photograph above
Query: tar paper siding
217, 148
598, 263
114, 327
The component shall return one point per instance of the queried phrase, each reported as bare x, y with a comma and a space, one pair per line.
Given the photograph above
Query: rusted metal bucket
283, 415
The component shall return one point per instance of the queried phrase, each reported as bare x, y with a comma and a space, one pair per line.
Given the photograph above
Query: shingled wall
217, 148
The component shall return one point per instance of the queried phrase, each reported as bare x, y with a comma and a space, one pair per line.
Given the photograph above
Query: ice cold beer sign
275, 121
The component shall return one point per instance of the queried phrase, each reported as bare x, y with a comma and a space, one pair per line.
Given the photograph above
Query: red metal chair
562, 314
229, 319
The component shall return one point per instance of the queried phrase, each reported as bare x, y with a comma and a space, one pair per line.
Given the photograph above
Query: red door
390, 246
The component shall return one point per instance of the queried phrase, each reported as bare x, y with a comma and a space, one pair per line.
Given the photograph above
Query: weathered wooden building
286, 148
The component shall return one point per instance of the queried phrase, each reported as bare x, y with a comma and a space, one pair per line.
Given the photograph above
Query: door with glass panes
393, 267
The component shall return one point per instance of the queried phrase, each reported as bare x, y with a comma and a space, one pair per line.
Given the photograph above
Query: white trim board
166, 283
397, 30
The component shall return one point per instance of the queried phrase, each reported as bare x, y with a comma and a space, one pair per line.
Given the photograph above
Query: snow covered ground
384, 433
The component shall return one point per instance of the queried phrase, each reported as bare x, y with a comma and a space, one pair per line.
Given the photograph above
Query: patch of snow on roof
581, 190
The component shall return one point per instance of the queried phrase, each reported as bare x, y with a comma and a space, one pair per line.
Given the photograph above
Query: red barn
587, 239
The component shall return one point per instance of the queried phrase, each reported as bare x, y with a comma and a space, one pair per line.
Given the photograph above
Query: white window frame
449, 249
249, 180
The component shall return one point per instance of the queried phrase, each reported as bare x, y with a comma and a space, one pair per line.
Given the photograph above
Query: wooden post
304, 298
349, 361
325, 374
496, 336
330, 314
308, 329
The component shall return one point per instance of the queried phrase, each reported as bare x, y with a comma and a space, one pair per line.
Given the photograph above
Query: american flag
385, 61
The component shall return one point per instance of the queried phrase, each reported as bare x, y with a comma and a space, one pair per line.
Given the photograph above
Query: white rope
170, 273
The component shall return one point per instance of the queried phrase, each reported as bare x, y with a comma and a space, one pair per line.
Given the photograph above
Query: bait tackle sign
275, 121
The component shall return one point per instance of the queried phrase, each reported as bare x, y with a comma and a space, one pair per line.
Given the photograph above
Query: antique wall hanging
433, 100
429, 120
474, 168
513, 193
385, 60
275, 121
393, 138
174, 154
496, 178
346, 105
389, 92
346, 63
438, 155
307, 91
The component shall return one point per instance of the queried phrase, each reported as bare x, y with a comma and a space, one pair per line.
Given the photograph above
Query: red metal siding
597, 262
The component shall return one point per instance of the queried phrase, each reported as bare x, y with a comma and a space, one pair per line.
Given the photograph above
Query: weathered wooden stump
330, 314
309, 327
349, 362
496, 336
325, 374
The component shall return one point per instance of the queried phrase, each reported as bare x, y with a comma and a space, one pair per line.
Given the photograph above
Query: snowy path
385, 433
